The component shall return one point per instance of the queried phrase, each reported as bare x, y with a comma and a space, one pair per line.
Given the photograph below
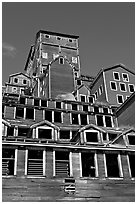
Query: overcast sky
106, 31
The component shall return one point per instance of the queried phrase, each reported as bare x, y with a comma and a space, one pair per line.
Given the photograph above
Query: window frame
122, 98
124, 86
43, 127
61, 58
24, 80
127, 77
14, 89
133, 87
92, 131
17, 80
84, 97
118, 76
131, 135
111, 85
104, 122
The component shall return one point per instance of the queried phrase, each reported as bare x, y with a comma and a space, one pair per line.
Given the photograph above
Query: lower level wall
44, 189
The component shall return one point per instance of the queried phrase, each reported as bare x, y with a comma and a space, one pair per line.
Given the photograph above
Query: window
88, 164
108, 121
23, 131
112, 165
70, 40
82, 98
35, 163
14, 89
96, 109
113, 86
125, 77
43, 103
58, 105
29, 113
112, 136
24, 81
78, 82
96, 95
131, 139
48, 115
90, 99
74, 118
104, 136
61, 60
10, 131
45, 55
22, 100
132, 165
36, 102
122, 87
44, 133
120, 99
100, 90
16, 80
73, 133
85, 108
83, 119
62, 168
105, 110
91, 136
57, 117
131, 88
65, 134
116, 76
47, 36
8, 158
58, 38
19, 112
74, 106
100, 120
74, 60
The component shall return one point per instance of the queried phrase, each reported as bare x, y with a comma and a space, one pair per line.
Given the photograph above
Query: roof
126, 103
57, 34
19, 73
109, 68
44, 122
81, 87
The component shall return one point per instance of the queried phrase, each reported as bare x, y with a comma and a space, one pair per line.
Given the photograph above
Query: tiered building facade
64, 135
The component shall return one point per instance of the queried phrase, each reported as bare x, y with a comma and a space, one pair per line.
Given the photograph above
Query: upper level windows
61, 60
44, 133
16, 80
47, 36
120, 99
116, 76
24, 81
113, 85
122, 87
74, 106
82, 98
102, 120
64, 134
131, 88
131, 139
125, 77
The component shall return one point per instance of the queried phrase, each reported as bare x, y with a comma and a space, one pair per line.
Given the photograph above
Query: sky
106, 32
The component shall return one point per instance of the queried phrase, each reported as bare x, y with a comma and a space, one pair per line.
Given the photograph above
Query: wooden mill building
62, 141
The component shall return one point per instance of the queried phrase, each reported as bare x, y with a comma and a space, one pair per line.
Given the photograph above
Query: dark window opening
22, 131
104, 136
19, 112
61, 60
100, 120
47, 36
91, 100
48, 115
22, 100
62, 168
122, 87
58, 105
43, 103
75, 119
105, 110
108, 121
70, 40
83, 98
64, 134
58, 38
15, 80
10, 131
74, 106
35, 163
73, 133
92, 136
83, 118
113, 85
24, 81
101, 89
85, 107
132, 165
88, 165
112, 165
116, 76
120, 99
78, 82
96, 109
44, 133
96, 94
125, 77
8, 156
29, 113
131, 88
57, 117
36, 102
112, 136
131, 139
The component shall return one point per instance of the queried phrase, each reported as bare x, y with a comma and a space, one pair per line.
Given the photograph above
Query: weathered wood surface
34, 189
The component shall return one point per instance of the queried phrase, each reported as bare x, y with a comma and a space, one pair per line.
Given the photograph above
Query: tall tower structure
54, 64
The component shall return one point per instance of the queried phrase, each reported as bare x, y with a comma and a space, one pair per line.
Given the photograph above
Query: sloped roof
19, 73
81, 87
44, 122
6, 123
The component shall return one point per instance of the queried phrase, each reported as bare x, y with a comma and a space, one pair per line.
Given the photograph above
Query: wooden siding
9, 113
21, 163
